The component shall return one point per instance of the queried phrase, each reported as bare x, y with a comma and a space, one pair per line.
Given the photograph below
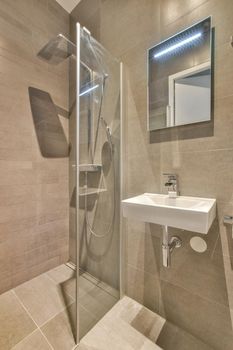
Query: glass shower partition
97, 135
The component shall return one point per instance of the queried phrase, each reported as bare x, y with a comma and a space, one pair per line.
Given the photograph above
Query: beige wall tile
30, 184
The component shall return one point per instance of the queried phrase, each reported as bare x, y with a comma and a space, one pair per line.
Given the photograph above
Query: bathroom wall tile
15, 322
172, 10
143, 250
194, 165
199, 274
189, 312
143, 287
29, 182
173, 337
25, 274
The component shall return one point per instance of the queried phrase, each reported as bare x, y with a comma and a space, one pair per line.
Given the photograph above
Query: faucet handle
170, 176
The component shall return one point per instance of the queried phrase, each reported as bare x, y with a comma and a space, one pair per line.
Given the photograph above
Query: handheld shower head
108, 131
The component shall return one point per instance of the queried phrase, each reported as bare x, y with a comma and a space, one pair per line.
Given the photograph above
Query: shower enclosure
94, 174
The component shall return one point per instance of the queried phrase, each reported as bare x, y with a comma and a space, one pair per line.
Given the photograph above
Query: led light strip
88, 90
178, 45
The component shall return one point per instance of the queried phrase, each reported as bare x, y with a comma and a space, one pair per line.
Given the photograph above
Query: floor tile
100, 339
35, 341
60, 330
172, 337
42, 298
61, 273
97, 302
14, 320
65, 277
110, 290
133, 322
115, 330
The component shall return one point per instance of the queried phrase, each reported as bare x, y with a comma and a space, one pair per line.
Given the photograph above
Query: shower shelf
90, 167
90, 190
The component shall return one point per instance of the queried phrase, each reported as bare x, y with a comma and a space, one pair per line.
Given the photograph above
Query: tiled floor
127, 326
40, 313
131, 326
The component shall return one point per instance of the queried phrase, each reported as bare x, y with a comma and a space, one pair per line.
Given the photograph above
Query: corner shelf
90, 191
90, 167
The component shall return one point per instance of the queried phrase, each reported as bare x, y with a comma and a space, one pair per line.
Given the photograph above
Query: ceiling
68, 5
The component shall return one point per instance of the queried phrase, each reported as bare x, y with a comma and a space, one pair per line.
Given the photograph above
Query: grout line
22, 304
46, 339
55, 315
39, 327
210, 301
24, 307
27, 336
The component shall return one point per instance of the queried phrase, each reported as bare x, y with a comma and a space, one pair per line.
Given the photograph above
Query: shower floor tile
128, 325
40, 314
35, 341
15, 323
43, 298
59, 331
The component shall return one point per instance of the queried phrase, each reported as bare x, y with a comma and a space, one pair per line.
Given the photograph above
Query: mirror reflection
179, 78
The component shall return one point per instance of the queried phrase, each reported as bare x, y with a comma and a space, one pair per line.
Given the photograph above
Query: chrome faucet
171, 182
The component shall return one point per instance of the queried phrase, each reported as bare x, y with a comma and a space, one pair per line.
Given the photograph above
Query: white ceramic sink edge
188, 213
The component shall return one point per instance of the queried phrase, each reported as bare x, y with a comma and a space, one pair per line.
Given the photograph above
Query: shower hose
110, 227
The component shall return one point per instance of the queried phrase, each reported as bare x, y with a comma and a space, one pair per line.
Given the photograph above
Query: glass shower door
97, 181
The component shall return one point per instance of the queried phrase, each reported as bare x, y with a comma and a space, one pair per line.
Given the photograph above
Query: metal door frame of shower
78, 61
121, 241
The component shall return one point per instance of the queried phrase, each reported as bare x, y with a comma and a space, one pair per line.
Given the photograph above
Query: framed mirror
179, 78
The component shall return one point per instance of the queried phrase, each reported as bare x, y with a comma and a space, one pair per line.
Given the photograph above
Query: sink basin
188, 213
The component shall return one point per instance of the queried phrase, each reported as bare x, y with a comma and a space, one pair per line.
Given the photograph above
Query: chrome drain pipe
168, 246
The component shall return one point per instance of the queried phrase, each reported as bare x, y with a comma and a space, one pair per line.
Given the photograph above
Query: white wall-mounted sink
188, 213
